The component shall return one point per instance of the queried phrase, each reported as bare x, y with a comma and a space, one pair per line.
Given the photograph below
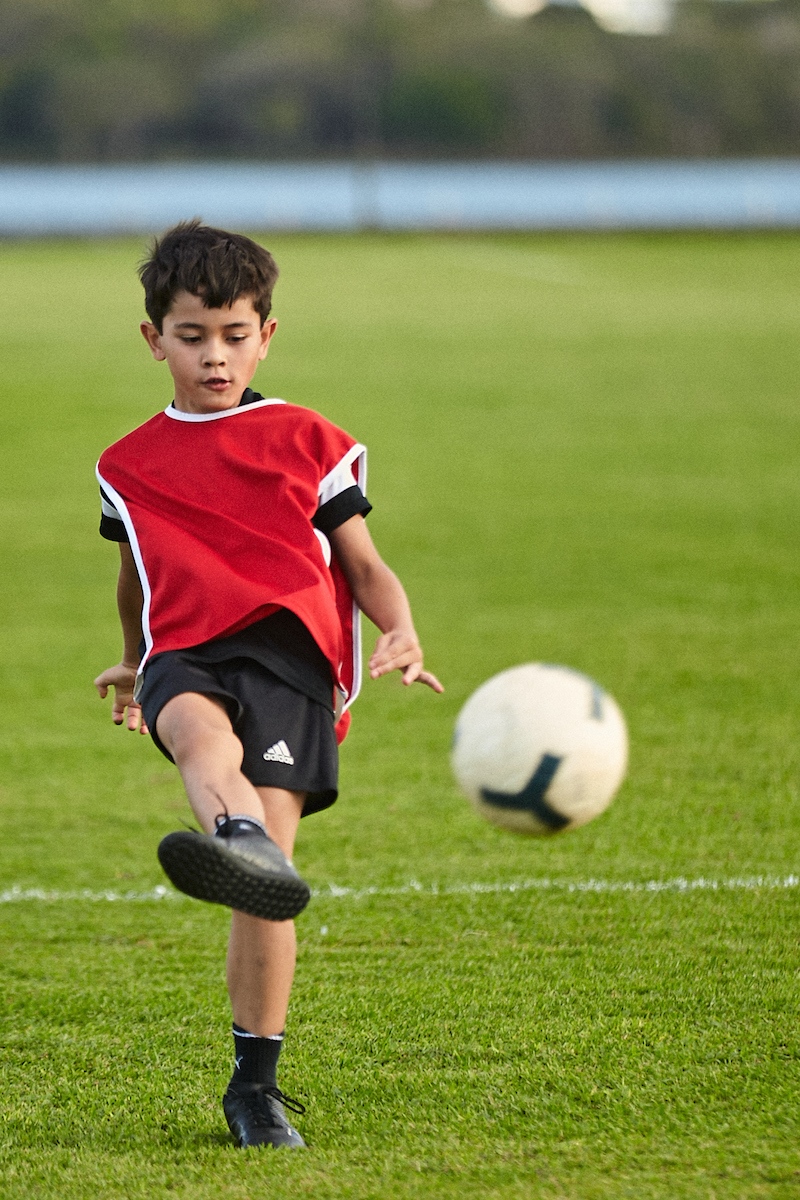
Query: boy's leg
198, 733
261, 954
241, 867
261, 961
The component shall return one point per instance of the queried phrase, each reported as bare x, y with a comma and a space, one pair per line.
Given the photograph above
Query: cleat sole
202, 867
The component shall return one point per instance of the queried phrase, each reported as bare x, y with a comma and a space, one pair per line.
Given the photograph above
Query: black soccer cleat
241, 868
256, 1117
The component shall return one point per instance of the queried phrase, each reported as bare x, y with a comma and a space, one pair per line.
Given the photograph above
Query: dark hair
210, 263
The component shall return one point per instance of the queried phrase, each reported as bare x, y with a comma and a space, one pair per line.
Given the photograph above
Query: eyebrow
199, 325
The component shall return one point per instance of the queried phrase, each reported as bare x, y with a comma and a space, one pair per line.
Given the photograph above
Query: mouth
216, 383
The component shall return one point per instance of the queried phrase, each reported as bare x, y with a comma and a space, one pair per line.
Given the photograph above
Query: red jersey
218, 510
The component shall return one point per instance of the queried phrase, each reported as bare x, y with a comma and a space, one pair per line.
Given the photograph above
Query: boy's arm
379, 593
122, 677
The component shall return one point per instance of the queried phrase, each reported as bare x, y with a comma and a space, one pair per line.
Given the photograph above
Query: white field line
16, 894
749, 883
744, 884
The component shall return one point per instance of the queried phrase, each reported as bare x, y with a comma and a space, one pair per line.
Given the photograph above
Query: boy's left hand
399, 650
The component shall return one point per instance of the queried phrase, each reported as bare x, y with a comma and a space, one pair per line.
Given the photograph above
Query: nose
214, 355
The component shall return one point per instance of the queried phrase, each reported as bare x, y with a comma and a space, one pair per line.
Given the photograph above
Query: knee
196, 734
218, 747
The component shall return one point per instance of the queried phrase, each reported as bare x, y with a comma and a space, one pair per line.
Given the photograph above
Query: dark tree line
119, 80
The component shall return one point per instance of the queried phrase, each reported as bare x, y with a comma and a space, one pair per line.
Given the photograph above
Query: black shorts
288, 739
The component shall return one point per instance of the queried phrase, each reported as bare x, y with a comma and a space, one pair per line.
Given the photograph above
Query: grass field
583, 450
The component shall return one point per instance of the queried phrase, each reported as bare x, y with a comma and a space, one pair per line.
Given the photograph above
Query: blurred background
388, 114
121, 81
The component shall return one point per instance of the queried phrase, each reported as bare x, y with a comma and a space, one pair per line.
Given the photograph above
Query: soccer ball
540, 748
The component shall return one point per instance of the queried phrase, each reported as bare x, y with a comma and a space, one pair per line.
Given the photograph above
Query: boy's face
212, 353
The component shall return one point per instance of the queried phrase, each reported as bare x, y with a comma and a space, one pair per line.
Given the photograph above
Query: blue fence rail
87, 200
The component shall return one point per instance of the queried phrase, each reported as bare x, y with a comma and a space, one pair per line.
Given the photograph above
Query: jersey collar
177, 415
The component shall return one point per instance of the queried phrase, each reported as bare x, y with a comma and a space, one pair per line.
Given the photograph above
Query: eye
190, 339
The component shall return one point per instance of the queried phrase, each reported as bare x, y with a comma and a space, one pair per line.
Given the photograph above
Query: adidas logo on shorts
280, 752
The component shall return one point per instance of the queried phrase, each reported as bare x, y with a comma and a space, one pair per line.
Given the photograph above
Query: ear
267, 333
153, 339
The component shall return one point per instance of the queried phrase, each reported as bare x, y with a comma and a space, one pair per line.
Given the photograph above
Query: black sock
256, 1057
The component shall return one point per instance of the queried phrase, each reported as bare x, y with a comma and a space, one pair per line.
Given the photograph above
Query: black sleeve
341, 508
112, 529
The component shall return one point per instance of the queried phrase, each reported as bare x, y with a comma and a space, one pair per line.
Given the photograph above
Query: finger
134, 715
394, 664
420, 676
390, 646
384, 641
102, 688
381, 645
396, 661
412, 673
390, 656
430, 680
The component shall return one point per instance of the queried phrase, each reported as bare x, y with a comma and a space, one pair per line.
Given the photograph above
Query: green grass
583, 450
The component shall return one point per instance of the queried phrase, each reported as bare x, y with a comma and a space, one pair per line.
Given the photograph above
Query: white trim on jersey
108, 509
327, 553
178, 415
356, 455
124, 516
341, 477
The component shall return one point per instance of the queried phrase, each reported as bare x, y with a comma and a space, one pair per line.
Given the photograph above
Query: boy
244, 554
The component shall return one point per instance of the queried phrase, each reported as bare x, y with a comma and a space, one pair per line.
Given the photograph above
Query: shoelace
221, 822
262, 1113
293, 1105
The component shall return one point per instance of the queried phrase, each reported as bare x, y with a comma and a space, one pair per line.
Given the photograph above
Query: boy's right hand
122, 678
